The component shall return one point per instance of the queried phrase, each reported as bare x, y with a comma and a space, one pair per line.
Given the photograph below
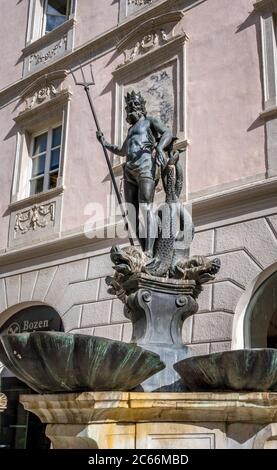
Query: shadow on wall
253, 20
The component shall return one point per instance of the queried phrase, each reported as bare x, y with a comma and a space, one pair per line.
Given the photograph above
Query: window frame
49, 148
36, 21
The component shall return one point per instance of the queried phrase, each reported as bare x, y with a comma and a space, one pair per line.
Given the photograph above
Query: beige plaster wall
7, 159
13, 30
94, 18
224, 93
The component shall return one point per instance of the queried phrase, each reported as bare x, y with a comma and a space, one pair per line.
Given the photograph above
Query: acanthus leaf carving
36, 217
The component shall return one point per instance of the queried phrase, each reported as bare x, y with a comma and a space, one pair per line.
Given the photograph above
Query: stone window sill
269, 113
36, 198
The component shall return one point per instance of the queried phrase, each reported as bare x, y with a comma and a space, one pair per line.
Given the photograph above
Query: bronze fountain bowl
236, 370
50, 362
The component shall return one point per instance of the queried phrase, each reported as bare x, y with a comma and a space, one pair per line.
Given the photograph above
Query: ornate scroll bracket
3, 402
34, 218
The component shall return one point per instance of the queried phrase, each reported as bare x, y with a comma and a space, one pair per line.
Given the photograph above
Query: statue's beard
133, 116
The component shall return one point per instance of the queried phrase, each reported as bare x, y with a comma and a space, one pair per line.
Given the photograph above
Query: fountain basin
243, 369
60, 362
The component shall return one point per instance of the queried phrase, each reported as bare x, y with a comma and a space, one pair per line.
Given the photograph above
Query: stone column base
122, 420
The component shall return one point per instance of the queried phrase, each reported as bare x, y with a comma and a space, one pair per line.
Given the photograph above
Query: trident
86, 86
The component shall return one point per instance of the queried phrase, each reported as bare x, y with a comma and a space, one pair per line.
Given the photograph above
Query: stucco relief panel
158, 90
34, 218
39, 221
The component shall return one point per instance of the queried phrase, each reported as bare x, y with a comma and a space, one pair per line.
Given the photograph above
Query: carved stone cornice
266, 5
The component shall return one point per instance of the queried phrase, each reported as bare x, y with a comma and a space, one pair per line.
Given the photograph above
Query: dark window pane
53, 22
56, 136
56, 14
55, 159
36, 186
53, 179
38, 165
40, 144
57, 7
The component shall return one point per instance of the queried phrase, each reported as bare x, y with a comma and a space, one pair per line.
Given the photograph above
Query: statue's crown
135, 96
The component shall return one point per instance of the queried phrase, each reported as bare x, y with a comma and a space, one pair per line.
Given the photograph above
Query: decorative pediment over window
150, 35
44, 89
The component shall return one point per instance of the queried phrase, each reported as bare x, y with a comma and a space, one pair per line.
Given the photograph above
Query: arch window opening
260, 322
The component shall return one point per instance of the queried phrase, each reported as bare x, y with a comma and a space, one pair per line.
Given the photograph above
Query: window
50, 32
56, 12
46, 152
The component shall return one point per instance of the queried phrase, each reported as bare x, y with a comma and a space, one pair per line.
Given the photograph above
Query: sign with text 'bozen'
35, 318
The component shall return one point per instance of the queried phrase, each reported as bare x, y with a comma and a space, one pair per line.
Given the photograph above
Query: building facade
208, 68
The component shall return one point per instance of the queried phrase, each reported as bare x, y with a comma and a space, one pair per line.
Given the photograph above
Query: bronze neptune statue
144, 147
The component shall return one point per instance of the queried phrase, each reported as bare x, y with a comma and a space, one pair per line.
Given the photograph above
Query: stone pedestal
121, 420
157, 308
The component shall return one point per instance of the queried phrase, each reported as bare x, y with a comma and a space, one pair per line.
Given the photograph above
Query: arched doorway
255, 322
18, 428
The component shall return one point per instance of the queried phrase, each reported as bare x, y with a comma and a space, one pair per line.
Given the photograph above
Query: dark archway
261, 315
